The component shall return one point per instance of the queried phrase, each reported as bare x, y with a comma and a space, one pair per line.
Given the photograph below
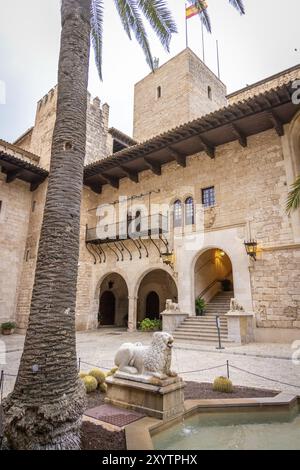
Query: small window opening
158, 92
209, 92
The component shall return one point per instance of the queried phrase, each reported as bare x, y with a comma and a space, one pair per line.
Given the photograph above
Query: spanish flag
195, 9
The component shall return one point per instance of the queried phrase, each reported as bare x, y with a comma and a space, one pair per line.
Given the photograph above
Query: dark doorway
152, 306
107, 308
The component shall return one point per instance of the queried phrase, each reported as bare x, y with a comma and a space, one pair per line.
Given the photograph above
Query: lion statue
153, 360
171, 306
235, 306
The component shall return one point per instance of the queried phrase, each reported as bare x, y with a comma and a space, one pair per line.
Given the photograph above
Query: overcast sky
251, 48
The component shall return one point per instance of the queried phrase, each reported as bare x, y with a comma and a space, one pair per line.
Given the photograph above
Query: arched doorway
113, 301
155, 288
213, 275
107, 309
152, 305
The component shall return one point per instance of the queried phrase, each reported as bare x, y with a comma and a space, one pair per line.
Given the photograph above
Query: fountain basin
267, 423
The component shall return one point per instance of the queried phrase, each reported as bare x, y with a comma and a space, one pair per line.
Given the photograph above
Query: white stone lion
154, 360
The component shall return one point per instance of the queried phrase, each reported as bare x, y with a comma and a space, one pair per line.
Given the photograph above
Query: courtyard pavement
273, 361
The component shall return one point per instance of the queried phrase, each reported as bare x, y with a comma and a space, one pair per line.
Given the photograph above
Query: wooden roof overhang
15, 167
270, 110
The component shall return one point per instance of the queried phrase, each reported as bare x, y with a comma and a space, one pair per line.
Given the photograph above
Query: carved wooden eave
269, 110
20, 168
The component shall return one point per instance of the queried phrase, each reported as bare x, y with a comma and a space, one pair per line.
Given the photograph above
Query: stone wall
184, 82
265, 85
40, 140
276, 288
251, 191
14, 216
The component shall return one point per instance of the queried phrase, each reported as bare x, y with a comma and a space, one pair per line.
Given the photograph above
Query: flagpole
218, 59
203, 45
186, 28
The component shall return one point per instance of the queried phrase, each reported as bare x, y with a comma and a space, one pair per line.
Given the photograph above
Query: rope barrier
227, 365
265, 378
202, 370
94, 365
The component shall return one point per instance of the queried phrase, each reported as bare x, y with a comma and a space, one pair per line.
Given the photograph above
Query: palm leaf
238, 5
97, 32
132, 21
160, 18
123, 12
293, 201
203, 15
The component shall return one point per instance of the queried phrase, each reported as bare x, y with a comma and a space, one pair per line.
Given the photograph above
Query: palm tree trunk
44, 411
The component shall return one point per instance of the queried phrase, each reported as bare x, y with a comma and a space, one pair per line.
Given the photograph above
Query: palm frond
97, 32
238, 5
293, 201
124, 12
160, 18
203, 15
132, 21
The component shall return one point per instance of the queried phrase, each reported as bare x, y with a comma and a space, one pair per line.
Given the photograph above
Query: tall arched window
189, 211
177, 214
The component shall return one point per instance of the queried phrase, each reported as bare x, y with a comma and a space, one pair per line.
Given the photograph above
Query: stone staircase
203, 329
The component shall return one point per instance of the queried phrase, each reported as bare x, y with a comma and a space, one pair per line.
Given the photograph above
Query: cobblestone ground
273, 361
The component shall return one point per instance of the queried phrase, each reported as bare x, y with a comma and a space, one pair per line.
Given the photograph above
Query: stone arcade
235, 156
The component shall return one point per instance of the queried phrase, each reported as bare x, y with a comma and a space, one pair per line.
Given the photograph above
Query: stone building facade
218, 175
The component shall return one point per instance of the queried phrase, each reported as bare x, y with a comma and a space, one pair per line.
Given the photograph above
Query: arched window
209, 92
189, 211
177, 214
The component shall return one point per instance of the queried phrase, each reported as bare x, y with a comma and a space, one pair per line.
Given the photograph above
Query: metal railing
133, 228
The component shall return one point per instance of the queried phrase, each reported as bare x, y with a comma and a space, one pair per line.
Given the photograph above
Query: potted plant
8, 328
200, 306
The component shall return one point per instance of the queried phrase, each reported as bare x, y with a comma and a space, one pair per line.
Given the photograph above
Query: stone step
202, 332
199, 338
208, 321
205, 319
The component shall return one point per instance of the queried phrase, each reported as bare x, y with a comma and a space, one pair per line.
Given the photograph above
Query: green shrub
99, 375
103, 388
200, 306
90, 383
8, 326
150, 325
223, 384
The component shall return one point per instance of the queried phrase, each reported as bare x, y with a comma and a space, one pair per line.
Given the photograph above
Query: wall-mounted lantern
251, 248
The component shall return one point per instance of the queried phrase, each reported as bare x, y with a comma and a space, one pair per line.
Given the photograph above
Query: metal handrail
152, 224
211, 285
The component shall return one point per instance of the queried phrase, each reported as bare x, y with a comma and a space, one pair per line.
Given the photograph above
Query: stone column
132, 313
